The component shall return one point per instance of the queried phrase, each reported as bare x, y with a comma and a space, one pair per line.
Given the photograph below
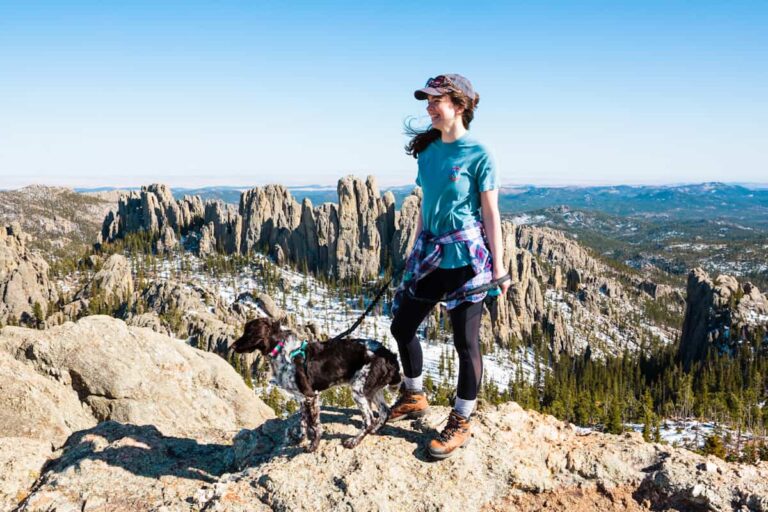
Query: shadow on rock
270, 440
413, 431
143, 450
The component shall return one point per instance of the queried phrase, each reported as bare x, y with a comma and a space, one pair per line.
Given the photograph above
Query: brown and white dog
365, 365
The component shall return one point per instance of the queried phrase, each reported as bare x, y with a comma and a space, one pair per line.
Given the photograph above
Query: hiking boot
455, 435
410, 404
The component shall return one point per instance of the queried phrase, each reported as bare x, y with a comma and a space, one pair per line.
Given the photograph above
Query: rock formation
405, 228
60, 382
186, 310
718, 313
167, 241
113, 281
23, 278
206, 244
655, 290
227, 226
349, 240
150, 210
362, 235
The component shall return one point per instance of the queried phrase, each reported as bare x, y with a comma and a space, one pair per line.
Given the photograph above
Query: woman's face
443, 112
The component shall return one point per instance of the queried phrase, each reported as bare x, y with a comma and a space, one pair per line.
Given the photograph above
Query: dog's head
260, 334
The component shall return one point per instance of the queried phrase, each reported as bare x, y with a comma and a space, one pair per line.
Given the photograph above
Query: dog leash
370, 306
479, 289
482, 288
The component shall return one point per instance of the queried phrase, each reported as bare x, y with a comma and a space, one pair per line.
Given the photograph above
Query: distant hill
690, 202
59, 220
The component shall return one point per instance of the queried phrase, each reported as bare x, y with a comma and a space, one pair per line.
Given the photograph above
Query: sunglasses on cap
439, 81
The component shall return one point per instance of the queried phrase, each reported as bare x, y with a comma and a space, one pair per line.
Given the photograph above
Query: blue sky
248, 93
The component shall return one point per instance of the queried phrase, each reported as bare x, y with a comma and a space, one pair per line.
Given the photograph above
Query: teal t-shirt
451, 176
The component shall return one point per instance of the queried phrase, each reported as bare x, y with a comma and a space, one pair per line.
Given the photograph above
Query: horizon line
746, 184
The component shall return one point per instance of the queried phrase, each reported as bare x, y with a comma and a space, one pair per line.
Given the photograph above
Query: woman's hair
420, 139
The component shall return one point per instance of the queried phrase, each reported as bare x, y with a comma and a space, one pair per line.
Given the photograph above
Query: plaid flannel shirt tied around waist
420, 263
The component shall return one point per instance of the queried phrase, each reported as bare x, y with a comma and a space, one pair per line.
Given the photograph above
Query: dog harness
301, 351
419, 263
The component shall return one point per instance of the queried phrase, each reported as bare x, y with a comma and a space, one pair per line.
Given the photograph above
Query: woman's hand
501, 272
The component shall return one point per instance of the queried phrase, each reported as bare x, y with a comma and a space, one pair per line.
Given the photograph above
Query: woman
458, 224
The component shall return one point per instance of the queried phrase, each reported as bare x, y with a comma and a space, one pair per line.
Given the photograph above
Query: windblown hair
421, 139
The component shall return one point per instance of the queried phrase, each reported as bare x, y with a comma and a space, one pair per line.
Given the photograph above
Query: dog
304, 369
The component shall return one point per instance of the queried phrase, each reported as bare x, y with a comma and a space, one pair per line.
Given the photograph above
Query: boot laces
453, 426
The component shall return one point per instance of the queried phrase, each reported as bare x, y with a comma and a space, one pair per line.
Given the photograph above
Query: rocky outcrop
269, 215
167, 241
113, 282
227, 226
151, 210
135, 375
406, 222
699, 316
359, 244
655, 290
35, 406
556, 248
518, 460
206, 244
349, 240
37, 415
23, 279
188, 310
58, 383
718, 313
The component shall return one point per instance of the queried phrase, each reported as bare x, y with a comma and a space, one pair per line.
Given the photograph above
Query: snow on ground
524, 218
690, 433
310, 301
597, 330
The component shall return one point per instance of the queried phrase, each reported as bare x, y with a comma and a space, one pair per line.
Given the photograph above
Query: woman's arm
489, 202
418, 224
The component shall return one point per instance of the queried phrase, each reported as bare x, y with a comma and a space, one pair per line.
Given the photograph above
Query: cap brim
422, 94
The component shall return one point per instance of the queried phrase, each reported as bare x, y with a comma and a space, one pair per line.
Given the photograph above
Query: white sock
464, 407
414, 384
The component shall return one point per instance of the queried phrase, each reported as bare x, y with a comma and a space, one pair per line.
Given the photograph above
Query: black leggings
465, 319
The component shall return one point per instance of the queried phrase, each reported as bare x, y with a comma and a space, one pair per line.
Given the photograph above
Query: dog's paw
350, 442
311, 447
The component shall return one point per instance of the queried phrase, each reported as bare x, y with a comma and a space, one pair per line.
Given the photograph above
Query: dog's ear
258, 335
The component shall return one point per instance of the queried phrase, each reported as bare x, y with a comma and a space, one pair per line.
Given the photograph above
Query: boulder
135, 375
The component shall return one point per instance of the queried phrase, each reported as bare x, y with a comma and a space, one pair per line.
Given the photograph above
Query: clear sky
195, 93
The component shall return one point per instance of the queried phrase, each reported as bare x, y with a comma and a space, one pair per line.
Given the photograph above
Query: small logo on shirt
455, 173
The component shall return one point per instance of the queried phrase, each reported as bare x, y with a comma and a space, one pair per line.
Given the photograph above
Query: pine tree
614, 424
648, 416
714, 446
37, 311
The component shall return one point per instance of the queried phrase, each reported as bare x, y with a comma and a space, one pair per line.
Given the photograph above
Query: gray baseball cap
442, 84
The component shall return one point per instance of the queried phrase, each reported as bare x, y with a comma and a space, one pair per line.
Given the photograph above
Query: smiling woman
458, 248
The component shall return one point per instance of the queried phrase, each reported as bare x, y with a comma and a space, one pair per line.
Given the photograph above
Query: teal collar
301, 351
